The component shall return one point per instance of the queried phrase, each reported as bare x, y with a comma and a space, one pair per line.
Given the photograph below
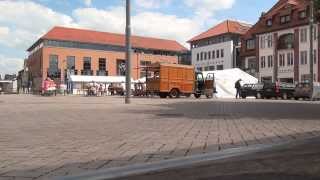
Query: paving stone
58, 136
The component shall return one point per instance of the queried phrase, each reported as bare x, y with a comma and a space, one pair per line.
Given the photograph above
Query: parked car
251, 90
278, 90
303, 90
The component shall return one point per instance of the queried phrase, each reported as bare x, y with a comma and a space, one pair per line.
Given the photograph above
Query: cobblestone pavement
45, 137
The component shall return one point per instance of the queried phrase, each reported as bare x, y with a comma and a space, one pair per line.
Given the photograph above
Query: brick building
86, 52
277, 46
219, 47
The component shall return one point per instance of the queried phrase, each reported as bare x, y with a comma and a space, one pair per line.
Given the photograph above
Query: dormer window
285, 19
269, 22
302, 14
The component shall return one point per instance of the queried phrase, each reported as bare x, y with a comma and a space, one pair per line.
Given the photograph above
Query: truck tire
174, 93
197, 95
163, 95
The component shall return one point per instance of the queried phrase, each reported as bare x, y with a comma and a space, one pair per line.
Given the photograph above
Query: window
143, 71
303, 57
206, 68
209, 55
102, 64
302, 14
281, 60
285, 19
213, 54
145, 63
205, 55
102, 67
263, 62
286, 41
219, 67
270, 61
250, 44
87, 66
262, 42
315, 56
121, 67
269, 39
269, 22
198, 56
211, 68
87, 63
53, 70
201, 56
222, 53
290, 59
303, 35
315, 37
218, 54
71, 62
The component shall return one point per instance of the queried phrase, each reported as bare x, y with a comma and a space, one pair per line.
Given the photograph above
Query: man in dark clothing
238, 87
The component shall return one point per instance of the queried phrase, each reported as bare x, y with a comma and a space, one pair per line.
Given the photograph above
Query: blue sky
172, 19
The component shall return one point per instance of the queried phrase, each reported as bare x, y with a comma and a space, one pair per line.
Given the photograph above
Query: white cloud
205, 9
144, 23
152, 4
9, 65
165, 26
4, 31
112, 19
88, 2
19, 29
28, 22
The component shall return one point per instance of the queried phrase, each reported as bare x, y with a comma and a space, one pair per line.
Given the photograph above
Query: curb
140, 169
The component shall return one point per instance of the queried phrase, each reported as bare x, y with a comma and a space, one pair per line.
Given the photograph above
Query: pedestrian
238, 88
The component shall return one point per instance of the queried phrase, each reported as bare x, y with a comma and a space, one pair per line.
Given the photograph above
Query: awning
99, 79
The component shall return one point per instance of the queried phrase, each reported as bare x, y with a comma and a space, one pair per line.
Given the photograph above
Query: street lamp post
128, 53
311, 41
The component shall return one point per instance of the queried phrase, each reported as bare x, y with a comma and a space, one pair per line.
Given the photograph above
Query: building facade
219, 47
67, 51
279, 44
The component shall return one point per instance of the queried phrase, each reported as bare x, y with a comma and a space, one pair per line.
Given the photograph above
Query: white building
218, 48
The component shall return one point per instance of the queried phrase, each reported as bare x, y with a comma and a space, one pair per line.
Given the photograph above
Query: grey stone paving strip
139, 169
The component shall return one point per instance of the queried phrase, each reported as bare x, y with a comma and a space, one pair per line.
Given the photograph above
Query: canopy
99, 79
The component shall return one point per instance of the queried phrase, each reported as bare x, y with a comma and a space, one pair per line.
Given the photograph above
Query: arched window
286, 41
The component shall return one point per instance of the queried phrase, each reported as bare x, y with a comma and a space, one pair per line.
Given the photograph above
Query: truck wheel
163, 95
197, 96
174, 93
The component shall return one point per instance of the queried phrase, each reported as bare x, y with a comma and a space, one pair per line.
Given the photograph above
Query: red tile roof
96, 37
227, 26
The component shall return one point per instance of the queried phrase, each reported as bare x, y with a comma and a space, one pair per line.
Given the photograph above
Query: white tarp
99, 79
226, 79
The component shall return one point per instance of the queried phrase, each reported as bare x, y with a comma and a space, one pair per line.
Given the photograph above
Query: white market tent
226, 79
98, 79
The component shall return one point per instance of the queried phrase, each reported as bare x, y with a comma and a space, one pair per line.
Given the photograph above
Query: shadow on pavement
239, 109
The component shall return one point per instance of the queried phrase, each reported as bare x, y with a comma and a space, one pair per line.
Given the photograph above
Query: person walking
238, 88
